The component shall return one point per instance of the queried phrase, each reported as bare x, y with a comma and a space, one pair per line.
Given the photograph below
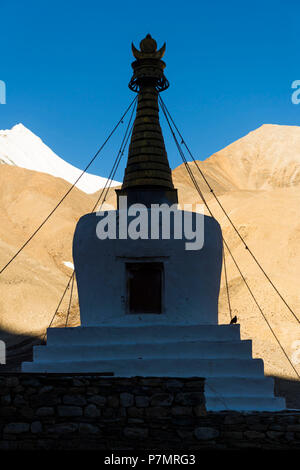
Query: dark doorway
144, 287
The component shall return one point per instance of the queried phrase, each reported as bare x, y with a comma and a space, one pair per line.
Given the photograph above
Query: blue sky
66, 65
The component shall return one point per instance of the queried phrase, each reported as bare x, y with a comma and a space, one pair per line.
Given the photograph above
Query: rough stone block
12, 382
8, 411
232, 435
36, 427
206, 433
16, 428
253, 435
126, 399
98, 400
136, 433
87, 428
234, 419
6, 399
274, 434
77, 400
19, 400
63, 428
158, 411
135, 412
293, 427
182, 411
142, 401
26, 412
46, 389
189, 398
45, 411
69, 410
113, 401
200, 410
161, 399
91, 411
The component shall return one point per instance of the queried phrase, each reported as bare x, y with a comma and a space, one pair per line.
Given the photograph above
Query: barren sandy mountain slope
266, 158
257, 180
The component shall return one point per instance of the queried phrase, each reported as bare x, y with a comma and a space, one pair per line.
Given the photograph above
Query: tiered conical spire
147, 159
148, 177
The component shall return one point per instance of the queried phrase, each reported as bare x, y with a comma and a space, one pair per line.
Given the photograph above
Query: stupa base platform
233, 379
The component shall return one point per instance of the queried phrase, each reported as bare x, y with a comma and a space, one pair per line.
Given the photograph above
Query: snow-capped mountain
21, 147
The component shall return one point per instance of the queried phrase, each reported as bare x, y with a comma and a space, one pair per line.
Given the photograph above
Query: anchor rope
226, 283
70, 301
224, 241
59, 304
118, 159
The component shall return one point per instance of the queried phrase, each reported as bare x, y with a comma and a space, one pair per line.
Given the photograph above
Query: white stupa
149, 305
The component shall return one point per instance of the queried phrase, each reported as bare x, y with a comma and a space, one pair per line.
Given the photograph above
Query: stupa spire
148, 177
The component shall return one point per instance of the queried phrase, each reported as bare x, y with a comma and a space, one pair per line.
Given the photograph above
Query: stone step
176, 350
111, 334
245, 403
156, 367
239, 386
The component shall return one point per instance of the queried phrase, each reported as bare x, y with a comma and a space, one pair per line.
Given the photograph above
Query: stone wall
92, 412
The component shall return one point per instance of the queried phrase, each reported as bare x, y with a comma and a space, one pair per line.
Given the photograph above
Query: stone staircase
234, 380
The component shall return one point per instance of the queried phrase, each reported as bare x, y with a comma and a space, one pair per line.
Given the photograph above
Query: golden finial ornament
148, 66
148, 47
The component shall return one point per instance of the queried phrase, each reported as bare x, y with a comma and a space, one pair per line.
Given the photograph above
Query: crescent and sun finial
148, 47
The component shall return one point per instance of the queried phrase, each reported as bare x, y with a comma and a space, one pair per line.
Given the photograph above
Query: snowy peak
21, 147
